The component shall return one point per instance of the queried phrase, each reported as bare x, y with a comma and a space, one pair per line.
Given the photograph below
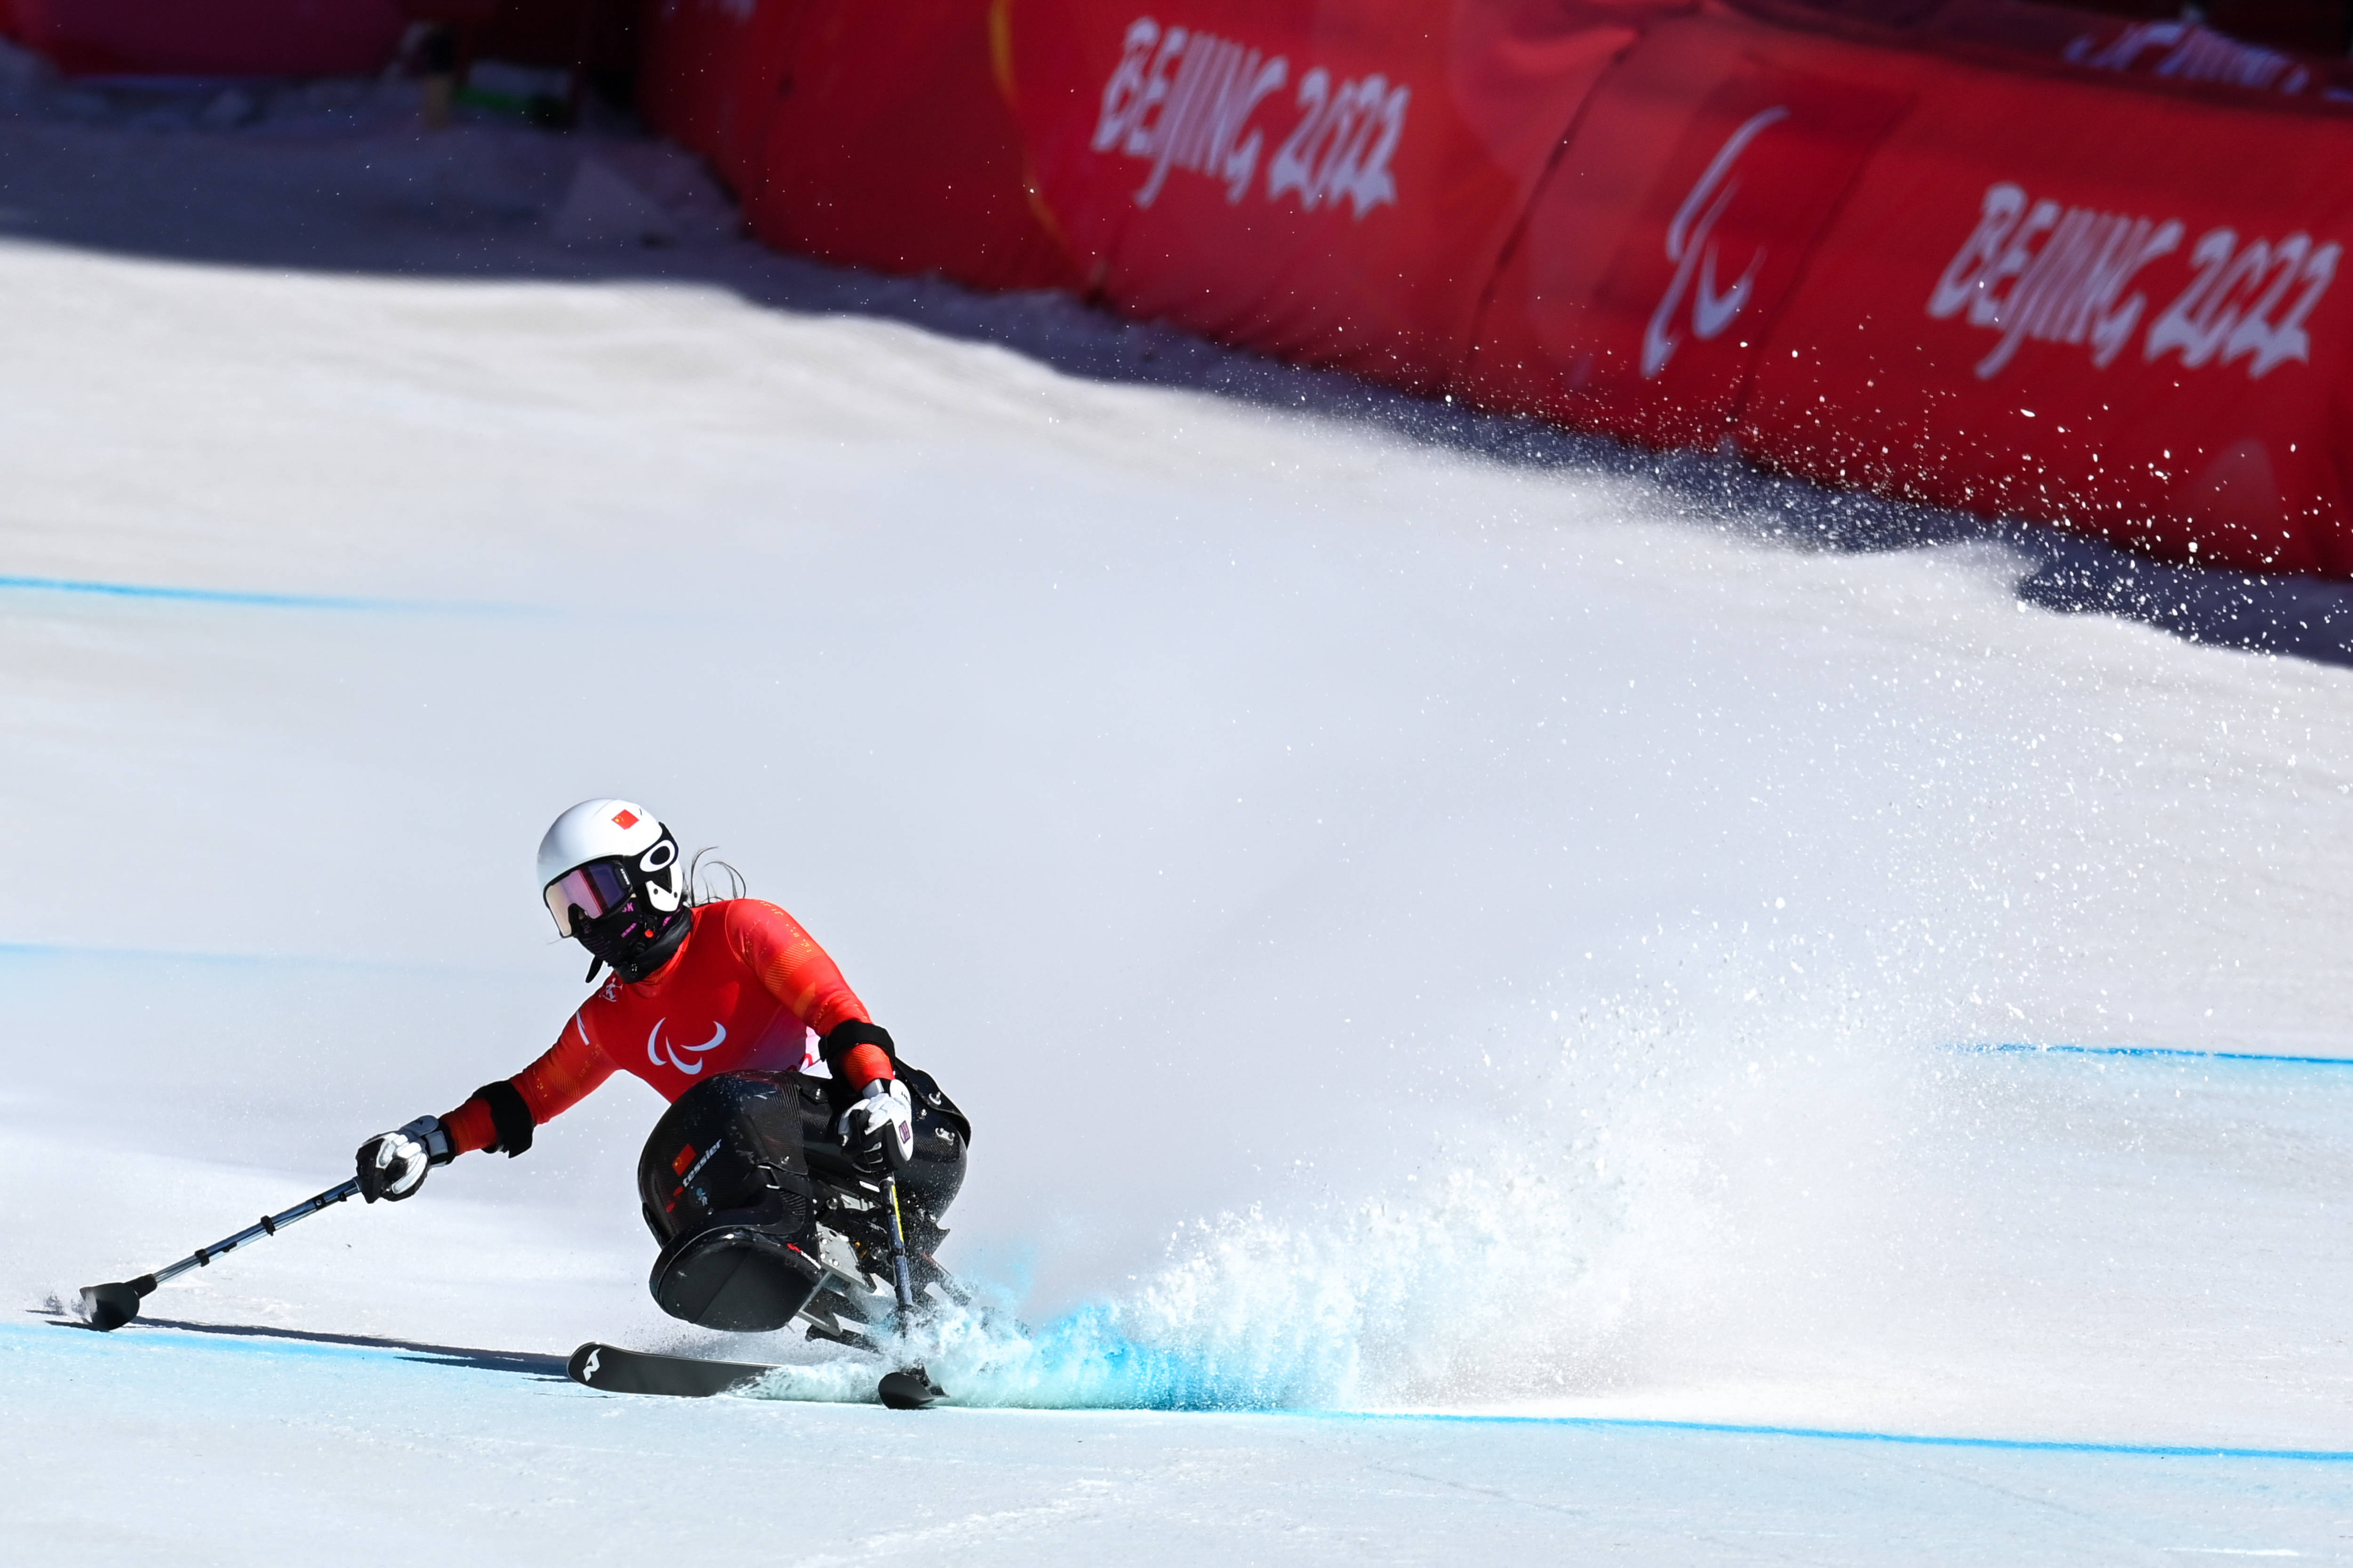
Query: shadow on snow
546, 1368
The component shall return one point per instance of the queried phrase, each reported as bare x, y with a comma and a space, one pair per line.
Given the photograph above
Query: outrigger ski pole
911, 1387
109, 1307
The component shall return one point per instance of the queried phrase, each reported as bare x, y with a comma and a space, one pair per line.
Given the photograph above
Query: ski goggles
595, 889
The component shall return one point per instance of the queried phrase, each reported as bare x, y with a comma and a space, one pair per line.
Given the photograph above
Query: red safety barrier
1676, 224
1972, 252
2047, 297
1328, 183
708, 73
889, 145
217, 37
2082, 304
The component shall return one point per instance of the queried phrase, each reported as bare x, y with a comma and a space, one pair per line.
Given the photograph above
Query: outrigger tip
107, 1307
912, 1389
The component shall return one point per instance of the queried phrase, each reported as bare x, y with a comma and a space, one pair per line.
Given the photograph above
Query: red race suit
747, 988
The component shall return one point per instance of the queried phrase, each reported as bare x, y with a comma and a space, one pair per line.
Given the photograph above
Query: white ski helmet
600, 854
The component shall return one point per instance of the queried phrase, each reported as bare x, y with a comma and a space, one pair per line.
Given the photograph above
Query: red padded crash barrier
888, 144
707, 75
2044, 297
211, 38
2086, 305
1675, 226
1331, 183
871, 136
1928, 249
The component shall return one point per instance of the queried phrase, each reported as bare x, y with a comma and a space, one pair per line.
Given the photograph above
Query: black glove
392, 1165
879, 1130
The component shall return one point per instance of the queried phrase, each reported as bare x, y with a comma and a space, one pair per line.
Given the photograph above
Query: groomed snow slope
1419, 934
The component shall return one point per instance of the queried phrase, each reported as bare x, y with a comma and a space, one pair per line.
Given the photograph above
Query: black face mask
636, 944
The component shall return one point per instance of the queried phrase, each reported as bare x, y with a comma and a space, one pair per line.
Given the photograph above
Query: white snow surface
1468, 972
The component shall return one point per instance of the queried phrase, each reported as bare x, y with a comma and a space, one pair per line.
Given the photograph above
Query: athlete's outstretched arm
502, 1115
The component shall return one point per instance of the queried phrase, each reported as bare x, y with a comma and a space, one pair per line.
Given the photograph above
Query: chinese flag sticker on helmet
625, 818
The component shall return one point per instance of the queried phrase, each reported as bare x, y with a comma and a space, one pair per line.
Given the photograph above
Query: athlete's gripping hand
879, 1130
392, 1165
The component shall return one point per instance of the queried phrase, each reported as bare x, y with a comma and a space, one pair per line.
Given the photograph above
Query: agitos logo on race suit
1182, 100
2037, 272
688, 1060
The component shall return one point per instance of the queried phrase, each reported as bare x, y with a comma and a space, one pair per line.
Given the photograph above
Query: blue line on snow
1823, 1434
218, 595
53, 951
2007, 1047
1912, 1439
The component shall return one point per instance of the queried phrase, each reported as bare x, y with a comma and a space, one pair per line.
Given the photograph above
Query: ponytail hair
701, 891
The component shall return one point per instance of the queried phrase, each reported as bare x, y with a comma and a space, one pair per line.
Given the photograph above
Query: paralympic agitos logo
1691, 247
665, 1053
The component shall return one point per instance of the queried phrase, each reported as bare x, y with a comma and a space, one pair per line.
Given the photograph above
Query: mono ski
610, 1369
